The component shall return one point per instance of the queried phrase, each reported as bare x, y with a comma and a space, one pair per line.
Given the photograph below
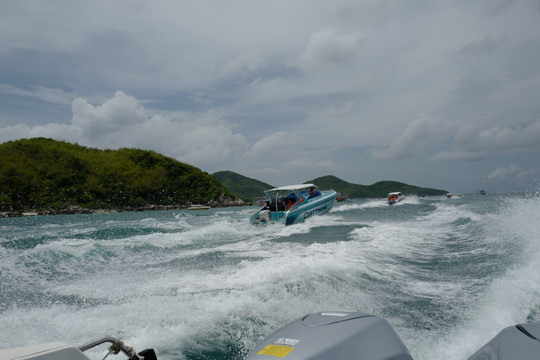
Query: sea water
448, 274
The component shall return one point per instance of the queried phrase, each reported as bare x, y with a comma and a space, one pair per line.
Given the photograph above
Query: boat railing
260, 201
118, 346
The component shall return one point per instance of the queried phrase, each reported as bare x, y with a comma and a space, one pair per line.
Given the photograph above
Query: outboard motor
333, 335
514, 342
264, 216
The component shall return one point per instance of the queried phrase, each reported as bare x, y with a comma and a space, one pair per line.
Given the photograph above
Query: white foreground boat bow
62, 351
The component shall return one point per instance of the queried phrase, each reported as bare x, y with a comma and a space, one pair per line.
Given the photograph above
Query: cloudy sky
434, 93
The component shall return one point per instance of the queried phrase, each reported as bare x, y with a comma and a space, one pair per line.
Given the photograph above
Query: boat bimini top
293, 187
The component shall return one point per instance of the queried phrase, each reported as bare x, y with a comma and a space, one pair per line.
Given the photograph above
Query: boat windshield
284, 199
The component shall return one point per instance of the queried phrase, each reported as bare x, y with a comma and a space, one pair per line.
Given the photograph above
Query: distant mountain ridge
248, 189
378, 189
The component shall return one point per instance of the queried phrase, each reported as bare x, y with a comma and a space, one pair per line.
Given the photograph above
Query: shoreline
75, 210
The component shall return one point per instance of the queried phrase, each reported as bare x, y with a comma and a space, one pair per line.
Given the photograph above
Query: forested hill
45, 175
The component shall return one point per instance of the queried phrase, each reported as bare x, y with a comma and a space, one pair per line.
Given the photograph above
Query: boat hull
311, 209
198, 207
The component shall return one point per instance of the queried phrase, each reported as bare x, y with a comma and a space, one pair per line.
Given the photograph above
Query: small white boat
341, 198
292, 204
394, 198
198, 207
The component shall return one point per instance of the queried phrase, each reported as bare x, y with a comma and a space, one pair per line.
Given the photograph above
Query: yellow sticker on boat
276, 350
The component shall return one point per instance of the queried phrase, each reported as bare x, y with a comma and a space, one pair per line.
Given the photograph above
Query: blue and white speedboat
293, 204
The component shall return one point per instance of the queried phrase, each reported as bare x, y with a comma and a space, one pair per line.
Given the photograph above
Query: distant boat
448, 196
341, 198
198, 207
394, 198
482, 192
292, 204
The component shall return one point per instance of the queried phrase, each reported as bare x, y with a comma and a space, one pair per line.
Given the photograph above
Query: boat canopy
394, 193
293, 187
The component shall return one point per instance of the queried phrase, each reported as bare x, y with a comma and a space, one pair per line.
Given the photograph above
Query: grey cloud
504, 172
54, 96
229, 85
328, 47
483, 47
422, 133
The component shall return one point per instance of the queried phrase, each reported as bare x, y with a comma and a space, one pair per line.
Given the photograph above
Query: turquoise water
448, 274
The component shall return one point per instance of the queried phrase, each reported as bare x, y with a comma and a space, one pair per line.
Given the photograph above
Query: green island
47, 177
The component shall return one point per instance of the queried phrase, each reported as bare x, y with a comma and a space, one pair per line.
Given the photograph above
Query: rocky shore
76, 209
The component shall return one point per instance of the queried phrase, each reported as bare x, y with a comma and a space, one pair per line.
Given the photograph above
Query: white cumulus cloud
330, 48
203, 139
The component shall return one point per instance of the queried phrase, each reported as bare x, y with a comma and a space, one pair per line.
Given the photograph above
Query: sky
433, 93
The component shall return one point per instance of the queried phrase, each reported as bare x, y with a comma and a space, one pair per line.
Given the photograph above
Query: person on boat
283, 203
313, 193
289, 203
269, 205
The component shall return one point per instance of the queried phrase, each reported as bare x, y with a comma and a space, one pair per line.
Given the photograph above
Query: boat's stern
264, 216
254, 218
